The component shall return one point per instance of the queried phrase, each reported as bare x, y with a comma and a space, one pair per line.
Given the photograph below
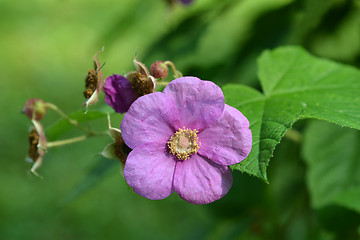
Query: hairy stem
64, 115
177, 74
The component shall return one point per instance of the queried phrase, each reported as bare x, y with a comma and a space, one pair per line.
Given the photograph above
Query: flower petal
151, 118
229, 140
149, 170
200, 103
119, 93
199, 181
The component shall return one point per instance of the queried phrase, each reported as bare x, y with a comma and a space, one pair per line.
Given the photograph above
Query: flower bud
159, 69
35, 108
119, 93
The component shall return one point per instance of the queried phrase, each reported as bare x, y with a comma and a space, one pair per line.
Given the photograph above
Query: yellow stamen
184, 143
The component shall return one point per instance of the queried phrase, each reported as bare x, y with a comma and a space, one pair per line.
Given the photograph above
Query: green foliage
332, 157
93, 177
296, 85
62, 125
48, 48
236, 34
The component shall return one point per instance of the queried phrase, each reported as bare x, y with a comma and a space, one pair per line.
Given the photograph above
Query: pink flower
184, 140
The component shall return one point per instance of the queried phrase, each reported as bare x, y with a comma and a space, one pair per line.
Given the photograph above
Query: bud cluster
120, 92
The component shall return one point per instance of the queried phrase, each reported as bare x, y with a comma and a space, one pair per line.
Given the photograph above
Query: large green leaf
332, 157
296, 85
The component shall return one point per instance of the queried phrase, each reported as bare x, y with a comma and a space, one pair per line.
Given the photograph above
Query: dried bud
93, 82
121, 150
34, 137
159, 69
141, 80
35, 109
117, 149
142, 84
37, 146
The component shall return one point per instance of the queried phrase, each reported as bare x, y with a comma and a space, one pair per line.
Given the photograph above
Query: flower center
184, 143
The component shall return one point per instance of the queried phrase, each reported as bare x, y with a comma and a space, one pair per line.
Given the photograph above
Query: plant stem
67, 141
177, 74
161, 83
72, 121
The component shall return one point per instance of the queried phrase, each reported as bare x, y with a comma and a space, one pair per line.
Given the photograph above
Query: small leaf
332, 157
63, 125
296, 85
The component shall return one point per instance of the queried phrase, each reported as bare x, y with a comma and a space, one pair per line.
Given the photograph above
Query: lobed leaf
295, 85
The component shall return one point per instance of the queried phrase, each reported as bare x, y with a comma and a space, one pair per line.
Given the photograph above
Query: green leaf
332, 157
296, 85
63, 125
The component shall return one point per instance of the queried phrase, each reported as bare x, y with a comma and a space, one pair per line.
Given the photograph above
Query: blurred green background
46, 49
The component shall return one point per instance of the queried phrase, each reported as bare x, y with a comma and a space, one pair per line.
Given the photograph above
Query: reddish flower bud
159, 69
35, 109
